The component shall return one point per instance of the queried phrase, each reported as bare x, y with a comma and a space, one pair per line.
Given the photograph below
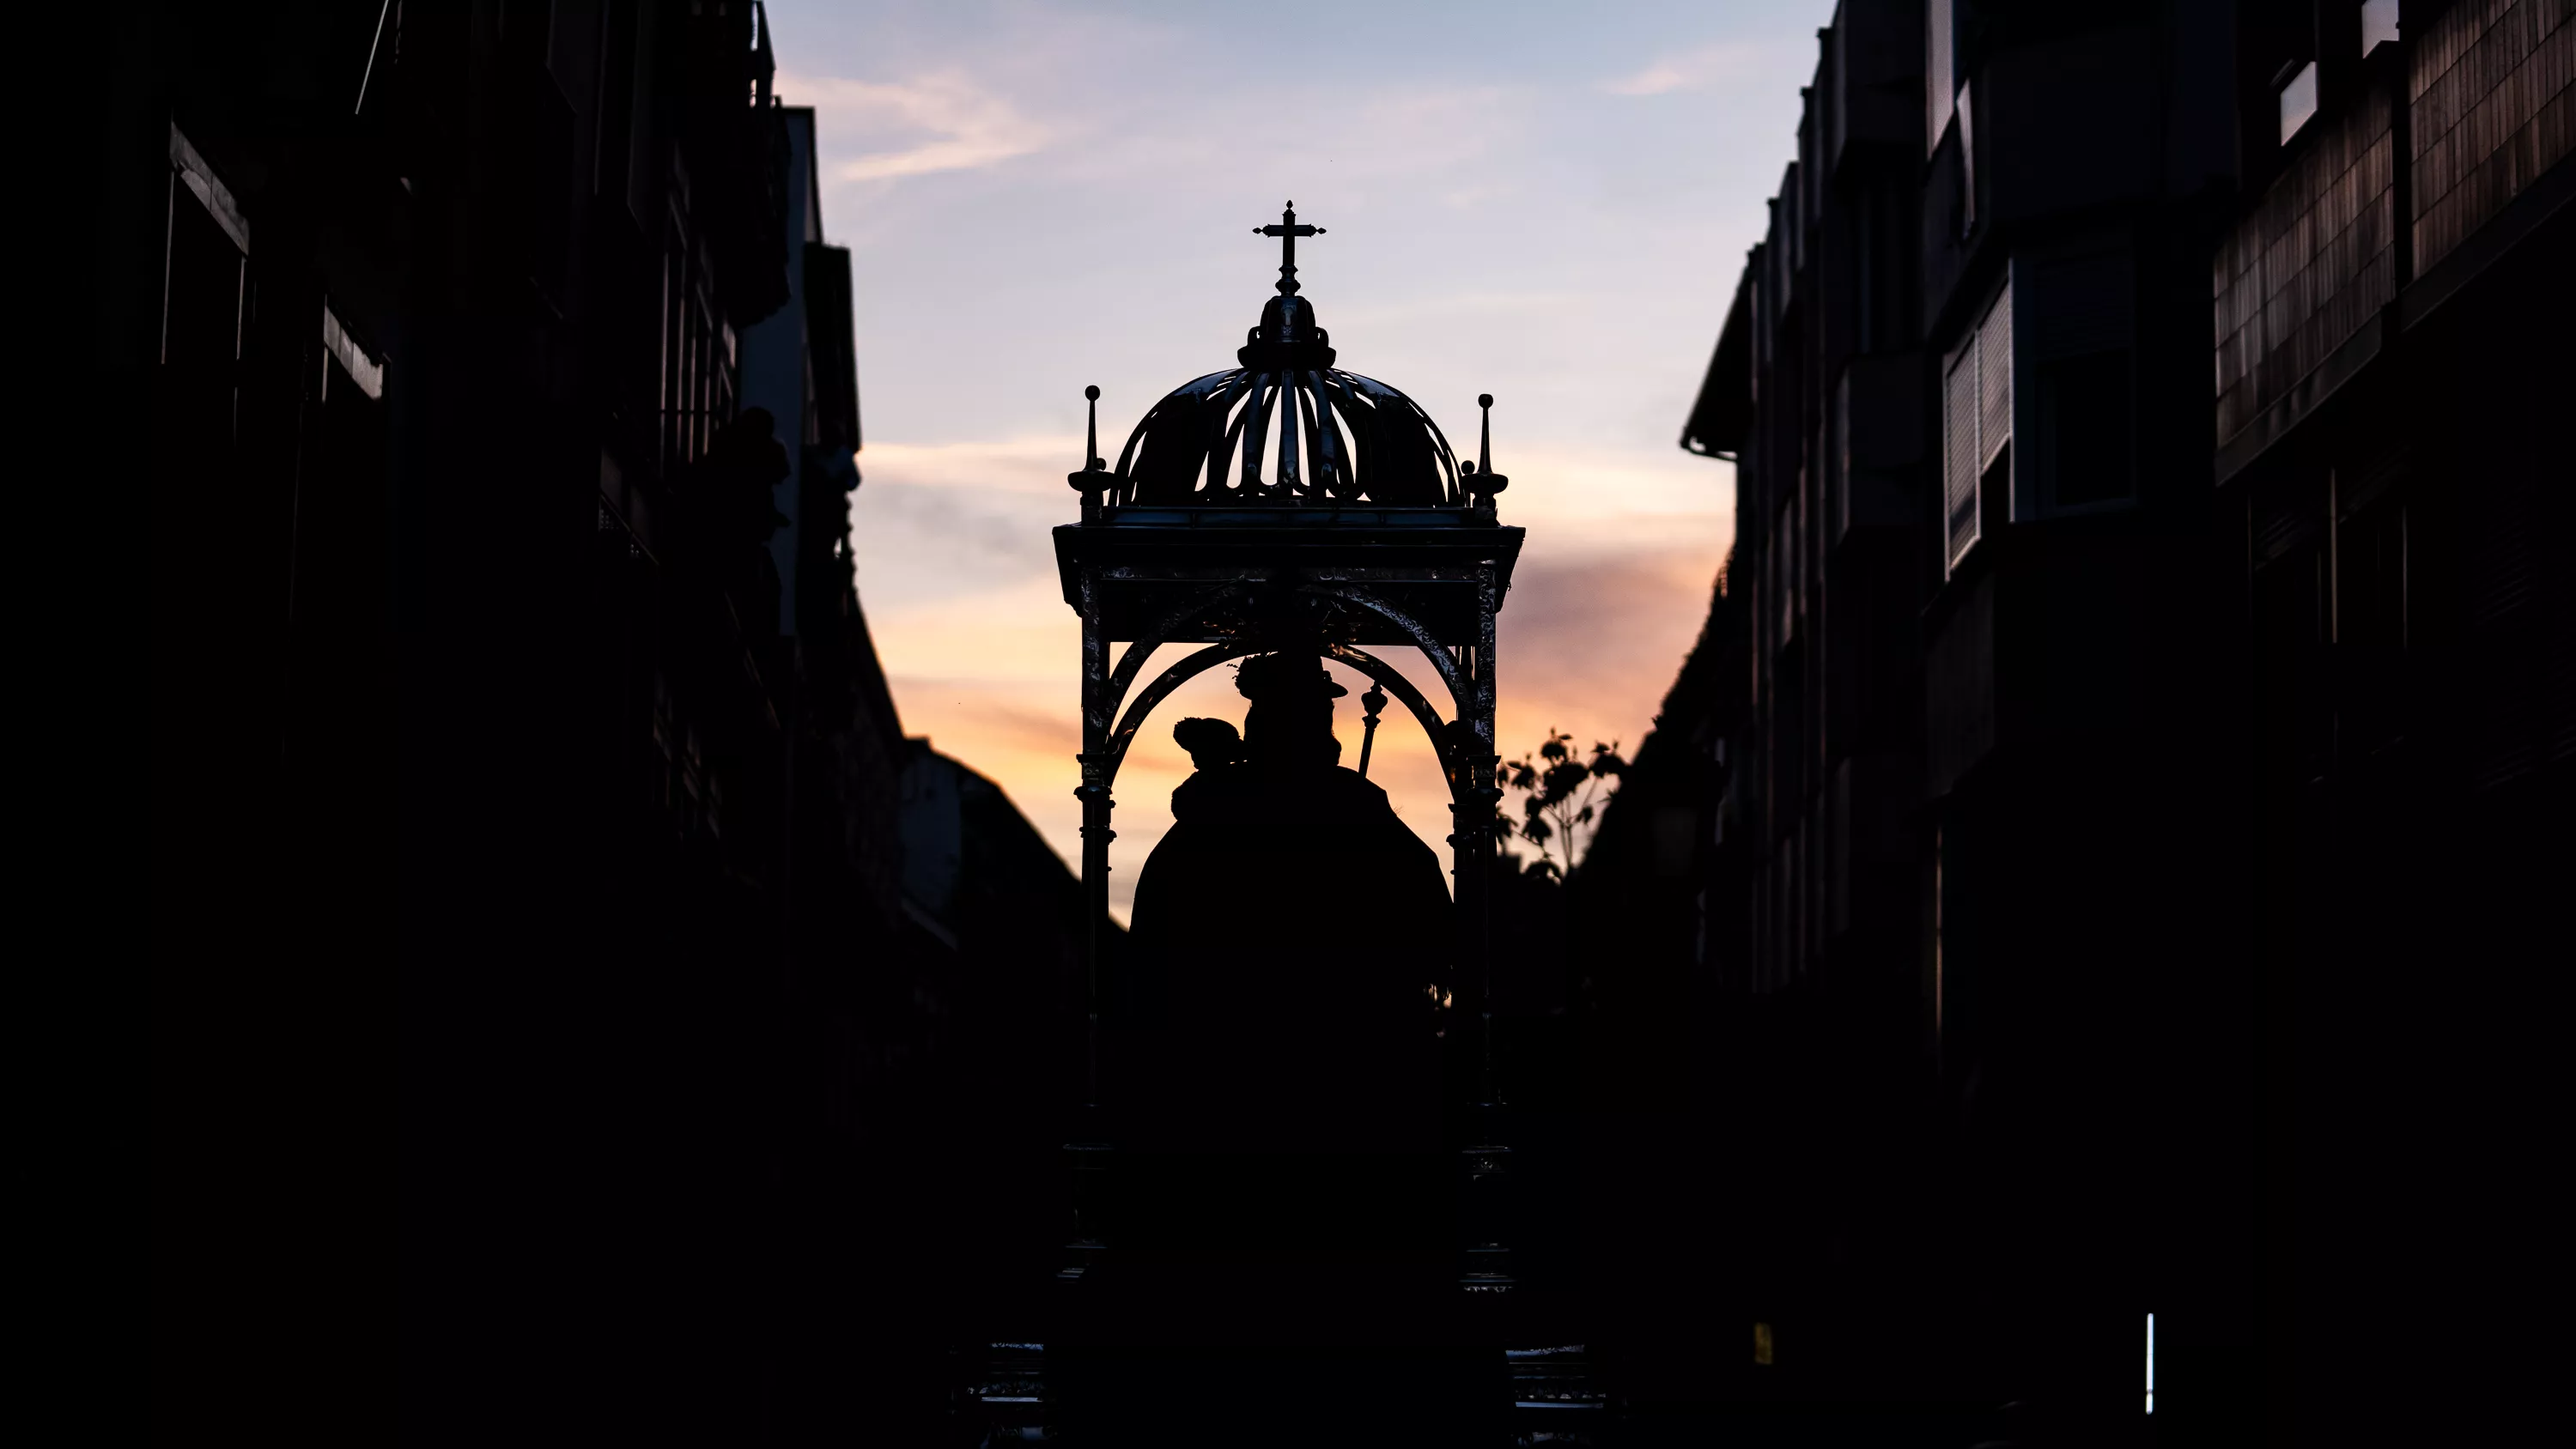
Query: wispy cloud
1691, 69
945, 119
1356, 131
1025, 464
1436, 308
1040, 195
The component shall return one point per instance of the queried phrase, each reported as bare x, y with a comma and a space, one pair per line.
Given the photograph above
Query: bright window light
2378, 24
2151, 1363
2298, 101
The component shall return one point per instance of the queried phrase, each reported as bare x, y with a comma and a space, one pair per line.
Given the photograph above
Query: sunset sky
1545, 202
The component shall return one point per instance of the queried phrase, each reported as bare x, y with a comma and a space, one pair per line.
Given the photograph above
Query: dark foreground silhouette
1284, 1211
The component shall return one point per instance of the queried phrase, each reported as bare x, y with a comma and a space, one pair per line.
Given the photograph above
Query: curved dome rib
1339, 438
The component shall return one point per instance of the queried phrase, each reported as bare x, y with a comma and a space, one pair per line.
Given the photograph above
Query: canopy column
1488, 1159
1087, 1148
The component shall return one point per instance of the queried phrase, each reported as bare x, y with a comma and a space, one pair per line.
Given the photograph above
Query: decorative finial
1488, 482
1374, 703
1092, 480
1288, 230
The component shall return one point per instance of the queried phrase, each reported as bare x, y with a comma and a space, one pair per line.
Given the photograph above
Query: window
700, 354
2298, 100
1976, 424
2378, 24
2089, 420
1938, 82
1994, 381
1958, 444
1967, 160
362, 370
2077, 305
205, 298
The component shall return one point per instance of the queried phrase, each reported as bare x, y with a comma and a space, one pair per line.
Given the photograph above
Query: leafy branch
1563, 797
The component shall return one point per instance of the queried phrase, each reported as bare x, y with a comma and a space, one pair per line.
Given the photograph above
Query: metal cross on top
1288, 230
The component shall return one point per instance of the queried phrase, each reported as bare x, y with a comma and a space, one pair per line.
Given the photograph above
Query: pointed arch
1423, 639
1402, 688
1189, 668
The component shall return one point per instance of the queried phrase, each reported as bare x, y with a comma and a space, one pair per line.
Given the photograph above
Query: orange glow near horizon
1588, 648
1050, 197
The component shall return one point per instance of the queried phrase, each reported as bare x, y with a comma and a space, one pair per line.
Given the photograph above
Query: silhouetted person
1286, 1199
1212, 743
1287, 934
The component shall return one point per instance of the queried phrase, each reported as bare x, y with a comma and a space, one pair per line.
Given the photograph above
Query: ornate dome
1287, 428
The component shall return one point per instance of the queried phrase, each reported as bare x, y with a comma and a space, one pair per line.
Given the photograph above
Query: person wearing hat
1290, 724
1284, 933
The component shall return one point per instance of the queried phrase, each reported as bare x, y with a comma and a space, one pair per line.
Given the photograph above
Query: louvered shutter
1994, 380
1959, 452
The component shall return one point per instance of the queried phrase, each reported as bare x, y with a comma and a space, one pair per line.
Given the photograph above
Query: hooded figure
1289, 934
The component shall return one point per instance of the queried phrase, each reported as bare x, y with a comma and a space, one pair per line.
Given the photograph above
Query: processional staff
1372, 703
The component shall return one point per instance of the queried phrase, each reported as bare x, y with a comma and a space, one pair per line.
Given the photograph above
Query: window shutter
1959, 452
1994, 380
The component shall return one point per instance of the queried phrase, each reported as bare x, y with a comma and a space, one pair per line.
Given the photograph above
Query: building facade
2390, 322
2151, 659
542, 1029
1943, 763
